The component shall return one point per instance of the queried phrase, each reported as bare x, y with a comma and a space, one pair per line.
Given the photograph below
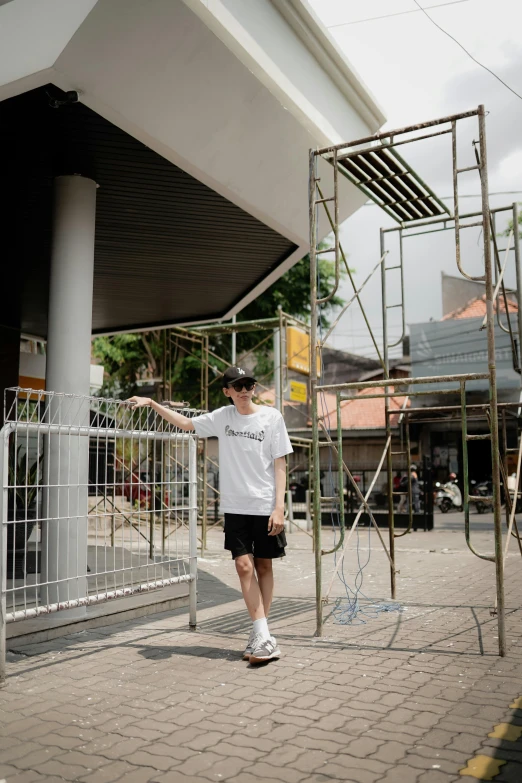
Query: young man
253, 444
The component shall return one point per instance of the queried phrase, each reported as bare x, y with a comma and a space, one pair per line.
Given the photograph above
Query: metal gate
98, 501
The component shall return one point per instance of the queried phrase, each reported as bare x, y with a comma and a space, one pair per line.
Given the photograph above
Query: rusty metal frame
334, 155
199, 337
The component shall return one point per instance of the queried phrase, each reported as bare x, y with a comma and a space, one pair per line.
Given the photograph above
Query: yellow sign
298, 351
298, 391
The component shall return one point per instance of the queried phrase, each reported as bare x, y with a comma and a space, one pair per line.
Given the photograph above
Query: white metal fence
98, 501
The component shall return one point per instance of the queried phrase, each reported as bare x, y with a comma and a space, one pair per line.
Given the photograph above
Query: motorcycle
448, 497
484, 489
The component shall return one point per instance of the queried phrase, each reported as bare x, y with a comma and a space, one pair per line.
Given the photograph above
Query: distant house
458, 344
344, 367
446, 348
363, 424
476, 308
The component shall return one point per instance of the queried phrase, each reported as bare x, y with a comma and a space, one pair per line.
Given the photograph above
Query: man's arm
177, 419
276, 523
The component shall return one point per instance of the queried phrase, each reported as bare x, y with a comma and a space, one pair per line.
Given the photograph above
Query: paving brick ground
403, 697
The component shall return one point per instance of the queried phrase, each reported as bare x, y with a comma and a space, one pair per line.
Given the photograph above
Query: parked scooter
449, 496
483, 489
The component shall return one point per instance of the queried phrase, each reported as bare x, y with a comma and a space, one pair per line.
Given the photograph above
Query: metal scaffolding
195, 342
374, 165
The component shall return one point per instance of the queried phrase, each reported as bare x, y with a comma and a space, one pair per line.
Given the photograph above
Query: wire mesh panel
98, 501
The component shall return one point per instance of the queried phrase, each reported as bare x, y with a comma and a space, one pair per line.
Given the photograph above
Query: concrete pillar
64, 544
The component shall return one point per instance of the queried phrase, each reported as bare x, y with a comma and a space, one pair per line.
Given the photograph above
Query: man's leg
250, 587
265, 579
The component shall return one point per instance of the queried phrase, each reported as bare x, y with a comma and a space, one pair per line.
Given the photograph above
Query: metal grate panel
388, 180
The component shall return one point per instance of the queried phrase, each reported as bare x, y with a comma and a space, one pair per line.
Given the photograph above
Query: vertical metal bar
504, 467
313, 394
193, 533
402, 304
234, 342
455, 193
152, 496
163, 446
4, 478
401, 262
335, 228
277, 370
204, 511
389, 458
285, 388
282, 359
516, 240
340, 471
495, 452
336, 219
465, 469
408, 467
290, 510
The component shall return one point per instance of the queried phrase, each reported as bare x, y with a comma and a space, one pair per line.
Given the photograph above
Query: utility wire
466, 51
387, 16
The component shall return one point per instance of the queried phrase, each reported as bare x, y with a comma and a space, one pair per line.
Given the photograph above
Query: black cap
234, 374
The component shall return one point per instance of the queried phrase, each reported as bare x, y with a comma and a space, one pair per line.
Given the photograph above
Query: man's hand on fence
139, 402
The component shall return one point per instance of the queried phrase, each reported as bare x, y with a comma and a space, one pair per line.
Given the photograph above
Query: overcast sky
417, 73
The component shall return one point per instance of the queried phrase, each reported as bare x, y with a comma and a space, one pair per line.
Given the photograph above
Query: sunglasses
240, 385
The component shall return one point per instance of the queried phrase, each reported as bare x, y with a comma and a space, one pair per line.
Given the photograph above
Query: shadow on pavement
161, 653
239, 622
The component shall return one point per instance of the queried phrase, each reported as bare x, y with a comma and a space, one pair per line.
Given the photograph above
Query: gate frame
87, 431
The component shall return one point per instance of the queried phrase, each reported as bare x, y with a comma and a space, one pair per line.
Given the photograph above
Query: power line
387, 16
466, 51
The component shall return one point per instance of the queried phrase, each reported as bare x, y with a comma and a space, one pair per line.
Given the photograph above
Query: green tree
128, 357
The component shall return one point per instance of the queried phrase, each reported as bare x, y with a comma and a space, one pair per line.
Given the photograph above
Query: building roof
168, 249
359, 413
268, 397
401, 368
194, 119
356, 414
476, 308
344, 367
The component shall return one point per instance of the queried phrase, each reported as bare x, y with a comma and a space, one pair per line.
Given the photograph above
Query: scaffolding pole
402, 194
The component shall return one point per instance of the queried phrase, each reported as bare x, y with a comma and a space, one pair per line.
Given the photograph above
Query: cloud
418, 73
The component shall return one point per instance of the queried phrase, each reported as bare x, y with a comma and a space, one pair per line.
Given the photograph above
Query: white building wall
233, 92
32, 35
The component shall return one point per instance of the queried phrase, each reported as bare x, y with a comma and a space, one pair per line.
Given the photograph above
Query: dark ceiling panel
168, 248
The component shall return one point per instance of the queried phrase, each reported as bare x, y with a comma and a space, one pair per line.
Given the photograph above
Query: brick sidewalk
406, 697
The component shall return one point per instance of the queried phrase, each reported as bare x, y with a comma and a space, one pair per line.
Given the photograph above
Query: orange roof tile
476, 308
268, 397
358, 413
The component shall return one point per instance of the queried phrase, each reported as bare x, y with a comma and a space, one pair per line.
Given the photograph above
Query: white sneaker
266, 650
254, 641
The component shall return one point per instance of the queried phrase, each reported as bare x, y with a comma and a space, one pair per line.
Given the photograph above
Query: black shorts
247, 534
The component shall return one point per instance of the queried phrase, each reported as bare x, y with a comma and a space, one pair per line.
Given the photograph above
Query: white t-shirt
248, 446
